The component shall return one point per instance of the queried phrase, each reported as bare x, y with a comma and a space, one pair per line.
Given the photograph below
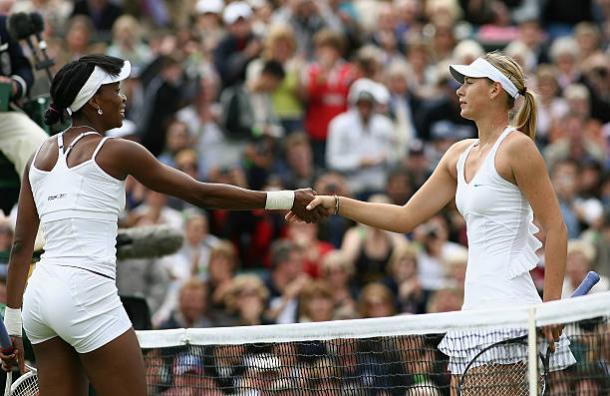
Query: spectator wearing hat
581, 255
208, 23
361, 141
239, 46
189, 377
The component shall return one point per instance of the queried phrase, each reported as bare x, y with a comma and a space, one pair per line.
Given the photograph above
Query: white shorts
79, 306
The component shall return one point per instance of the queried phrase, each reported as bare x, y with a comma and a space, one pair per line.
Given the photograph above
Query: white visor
480, 68
98, 78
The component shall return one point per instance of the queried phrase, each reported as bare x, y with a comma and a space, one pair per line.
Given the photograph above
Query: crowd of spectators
348, 97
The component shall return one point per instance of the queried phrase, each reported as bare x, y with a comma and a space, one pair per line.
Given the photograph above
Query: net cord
554, 312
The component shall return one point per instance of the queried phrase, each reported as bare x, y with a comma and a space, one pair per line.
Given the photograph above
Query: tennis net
403, 355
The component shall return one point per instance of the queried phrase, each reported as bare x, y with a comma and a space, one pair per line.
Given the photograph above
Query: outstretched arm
436, 192
134, 159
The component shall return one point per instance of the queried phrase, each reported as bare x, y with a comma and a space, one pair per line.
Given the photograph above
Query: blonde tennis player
499, 182
74, 188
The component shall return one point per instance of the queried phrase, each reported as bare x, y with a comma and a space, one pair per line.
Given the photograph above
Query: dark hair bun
53, 115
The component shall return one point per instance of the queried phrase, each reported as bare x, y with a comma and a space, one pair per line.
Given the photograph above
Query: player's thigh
59, 369
117, 368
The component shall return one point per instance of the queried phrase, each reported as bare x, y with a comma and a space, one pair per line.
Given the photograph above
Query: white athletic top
78, 209
502, 245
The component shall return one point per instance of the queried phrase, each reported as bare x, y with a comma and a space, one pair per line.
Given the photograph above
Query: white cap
481, 68
209, 6
364, 88
236, 10
98, 78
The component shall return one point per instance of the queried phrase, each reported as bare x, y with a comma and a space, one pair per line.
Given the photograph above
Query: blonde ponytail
526, 117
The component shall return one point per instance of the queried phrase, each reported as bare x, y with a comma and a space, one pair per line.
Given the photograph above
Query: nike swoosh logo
478, 185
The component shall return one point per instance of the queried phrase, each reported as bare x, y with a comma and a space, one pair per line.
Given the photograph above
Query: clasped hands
309, 207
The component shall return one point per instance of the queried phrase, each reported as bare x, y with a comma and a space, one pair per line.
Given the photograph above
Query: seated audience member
581, 254
316, 303
338, 272
192, 307
246, 301
376, 301
403, 280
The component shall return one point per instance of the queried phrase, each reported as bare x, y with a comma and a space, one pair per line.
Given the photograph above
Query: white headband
481, 68
98, 78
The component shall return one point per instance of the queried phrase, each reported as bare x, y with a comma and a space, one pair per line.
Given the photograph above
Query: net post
532, 352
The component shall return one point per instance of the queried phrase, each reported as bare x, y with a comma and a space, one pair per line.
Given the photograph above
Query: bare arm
530, 173
135, 160
23, 243
436, 192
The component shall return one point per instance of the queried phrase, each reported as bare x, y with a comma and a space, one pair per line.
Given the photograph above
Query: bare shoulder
118, 156
518, 154
453, 153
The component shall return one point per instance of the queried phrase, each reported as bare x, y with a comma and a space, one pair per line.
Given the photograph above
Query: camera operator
19, 135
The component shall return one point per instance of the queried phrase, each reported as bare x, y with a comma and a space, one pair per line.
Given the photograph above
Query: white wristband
12, 321
279, 200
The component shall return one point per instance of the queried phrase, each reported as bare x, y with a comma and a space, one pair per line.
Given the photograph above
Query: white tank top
502, 246
78, 209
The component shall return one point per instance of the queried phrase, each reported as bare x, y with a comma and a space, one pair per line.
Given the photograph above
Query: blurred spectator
198, 245
208, 23
177, 138
376, 301
306, 18
280, 46
601, 241
338, 272
564, 176
103, 14
418, 56
404, 105
299, 169
248, 110
285, 281
162, 98
325, 86
445, 300
361, 141
192, 307
433, 236
78, 41
370, 249
455, 263
560, 15
239, 46
222, 266
565, 54
189, 377
305, 237
418, 163
551, 107
316, 302
155, 210
246, 300
399, 185
146, 278
127, 42
403, 280
580, 257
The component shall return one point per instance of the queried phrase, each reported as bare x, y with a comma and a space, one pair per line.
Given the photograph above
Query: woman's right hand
15, 358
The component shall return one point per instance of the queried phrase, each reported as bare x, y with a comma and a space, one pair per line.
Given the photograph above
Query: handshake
309, 207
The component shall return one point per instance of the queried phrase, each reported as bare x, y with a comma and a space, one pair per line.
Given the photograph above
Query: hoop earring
99, 111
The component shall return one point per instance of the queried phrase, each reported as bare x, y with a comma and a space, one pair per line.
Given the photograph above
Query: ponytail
526, 116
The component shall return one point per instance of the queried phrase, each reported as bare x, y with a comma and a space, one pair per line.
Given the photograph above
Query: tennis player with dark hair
74, 187
499, 182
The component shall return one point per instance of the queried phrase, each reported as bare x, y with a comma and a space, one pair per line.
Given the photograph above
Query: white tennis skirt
79, 306
462, 346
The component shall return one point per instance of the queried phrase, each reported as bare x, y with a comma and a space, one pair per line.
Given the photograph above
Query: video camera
22, 26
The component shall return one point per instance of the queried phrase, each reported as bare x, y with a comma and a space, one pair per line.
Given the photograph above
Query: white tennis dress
501, 252
72, 292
